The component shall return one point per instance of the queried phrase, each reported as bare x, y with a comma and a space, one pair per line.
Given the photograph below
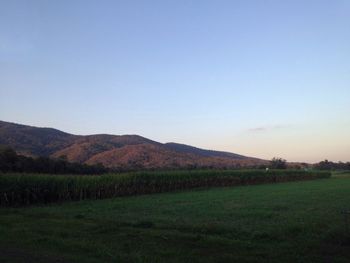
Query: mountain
208, 153
33, 141
116, 151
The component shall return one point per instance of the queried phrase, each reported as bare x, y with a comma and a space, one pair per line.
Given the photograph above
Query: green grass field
285, 222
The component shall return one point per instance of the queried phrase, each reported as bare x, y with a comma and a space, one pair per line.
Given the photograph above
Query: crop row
26, 189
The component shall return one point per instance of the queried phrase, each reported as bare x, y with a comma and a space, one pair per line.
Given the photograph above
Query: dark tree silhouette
278, 163
327, 165
10, 161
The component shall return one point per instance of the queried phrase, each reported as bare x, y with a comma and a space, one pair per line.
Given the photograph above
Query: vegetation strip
26, 189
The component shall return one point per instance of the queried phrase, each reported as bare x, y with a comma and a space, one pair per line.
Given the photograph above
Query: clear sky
260, 78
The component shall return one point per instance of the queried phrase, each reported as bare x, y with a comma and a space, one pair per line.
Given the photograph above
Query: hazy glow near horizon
260, 78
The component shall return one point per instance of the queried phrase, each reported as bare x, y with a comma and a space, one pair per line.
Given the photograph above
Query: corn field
26, 189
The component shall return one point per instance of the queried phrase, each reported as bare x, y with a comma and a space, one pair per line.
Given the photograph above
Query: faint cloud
267, 128
257, 129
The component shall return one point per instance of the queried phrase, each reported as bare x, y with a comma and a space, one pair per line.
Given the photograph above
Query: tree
8, 159
278, 163
328, 165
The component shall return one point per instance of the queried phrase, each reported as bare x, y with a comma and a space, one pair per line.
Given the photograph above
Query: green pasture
284, 222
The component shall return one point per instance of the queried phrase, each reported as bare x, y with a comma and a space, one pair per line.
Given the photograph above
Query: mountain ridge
116, 151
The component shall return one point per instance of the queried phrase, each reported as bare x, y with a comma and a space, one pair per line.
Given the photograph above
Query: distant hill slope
34, 141
207, 153
117, 151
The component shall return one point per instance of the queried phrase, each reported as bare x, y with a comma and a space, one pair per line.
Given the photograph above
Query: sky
259, 78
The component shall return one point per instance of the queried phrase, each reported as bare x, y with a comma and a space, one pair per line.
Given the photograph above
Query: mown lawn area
285, 222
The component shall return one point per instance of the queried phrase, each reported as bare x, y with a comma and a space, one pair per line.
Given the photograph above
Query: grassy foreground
287, 222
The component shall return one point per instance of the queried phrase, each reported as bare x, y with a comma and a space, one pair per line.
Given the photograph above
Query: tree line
328, 165
10, 161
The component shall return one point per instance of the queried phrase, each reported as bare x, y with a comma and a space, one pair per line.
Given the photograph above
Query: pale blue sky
261, 78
